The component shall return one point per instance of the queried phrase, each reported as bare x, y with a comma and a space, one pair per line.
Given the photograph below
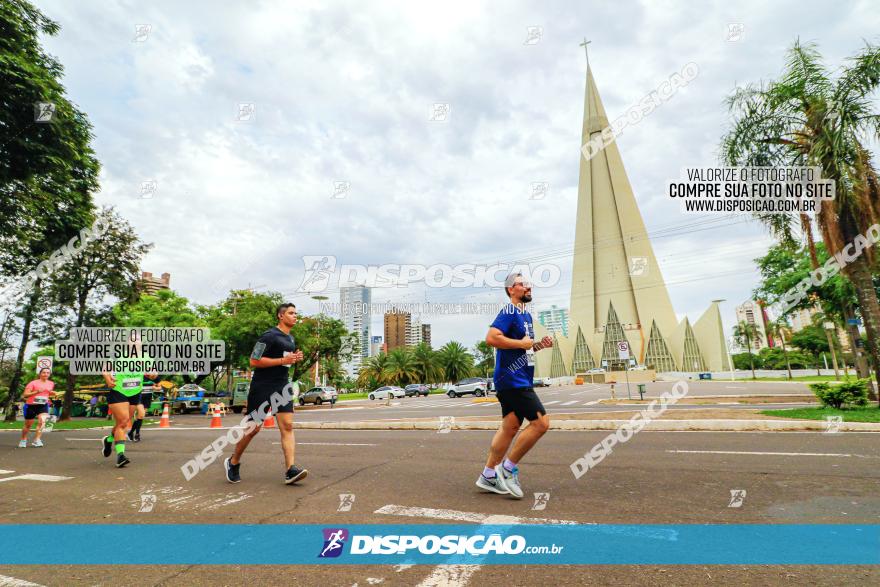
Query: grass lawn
805, 378
365, 394
866, 414
75, 424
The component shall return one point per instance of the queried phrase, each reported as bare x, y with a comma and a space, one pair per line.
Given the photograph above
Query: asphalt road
573, 399
415, 476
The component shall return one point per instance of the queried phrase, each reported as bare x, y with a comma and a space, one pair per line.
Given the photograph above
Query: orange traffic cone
269, 422
216, 421
164, 422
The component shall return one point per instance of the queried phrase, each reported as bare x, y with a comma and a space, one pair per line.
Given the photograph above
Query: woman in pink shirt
36, 396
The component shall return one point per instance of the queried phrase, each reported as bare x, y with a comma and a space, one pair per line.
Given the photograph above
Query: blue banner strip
431, 544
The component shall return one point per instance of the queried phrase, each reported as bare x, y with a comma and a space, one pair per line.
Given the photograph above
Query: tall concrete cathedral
617, 290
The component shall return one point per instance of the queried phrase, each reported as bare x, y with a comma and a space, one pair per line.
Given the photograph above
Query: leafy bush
847, 394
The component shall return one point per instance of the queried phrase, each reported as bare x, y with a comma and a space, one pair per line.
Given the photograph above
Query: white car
386, 391
472, 385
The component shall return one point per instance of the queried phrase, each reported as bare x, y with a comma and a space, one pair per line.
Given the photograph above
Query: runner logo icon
334, 541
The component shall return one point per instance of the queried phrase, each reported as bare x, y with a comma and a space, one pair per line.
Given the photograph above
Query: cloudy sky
344, 92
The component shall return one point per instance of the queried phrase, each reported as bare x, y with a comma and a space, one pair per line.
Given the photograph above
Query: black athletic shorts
31, 411
146, 399
522, 401
263, 394
115, 397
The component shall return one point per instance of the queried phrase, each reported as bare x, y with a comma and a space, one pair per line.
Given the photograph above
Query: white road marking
13, 582
34, 477
777, 454
597, 388
458, 575
219, 503
733, 387
571, 402
556, 401
476, 518
592, 403
5, 472
450, 576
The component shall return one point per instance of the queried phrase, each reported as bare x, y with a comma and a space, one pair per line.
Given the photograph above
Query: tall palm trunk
852, 330
860, 275
855, 338
785, 354
751, 360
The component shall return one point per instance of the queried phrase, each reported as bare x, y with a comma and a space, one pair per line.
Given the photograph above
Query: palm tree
456, 362
400, 368
427, 363
807, 118
744, 333
777, 329
372, 371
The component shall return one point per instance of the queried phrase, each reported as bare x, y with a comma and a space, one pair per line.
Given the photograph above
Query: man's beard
527, 298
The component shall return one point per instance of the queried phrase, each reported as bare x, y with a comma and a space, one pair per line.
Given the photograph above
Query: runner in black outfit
271, 391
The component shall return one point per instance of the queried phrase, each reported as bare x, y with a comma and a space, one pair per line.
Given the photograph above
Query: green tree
239, 321
106, 266
784, 266
426, 363
39, 159
400, 368
778, 329
319, 337
744, 333
485, 356
807, 118
455, 361
48, 170
372, 372
814, 340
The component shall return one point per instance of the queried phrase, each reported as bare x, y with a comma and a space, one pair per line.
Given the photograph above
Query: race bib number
41, 400
530, 358
258, 351
130, 383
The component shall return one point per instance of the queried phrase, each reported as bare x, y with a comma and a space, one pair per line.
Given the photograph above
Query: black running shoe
107, 449
295, 474
130, 435
122, 460
137, 437
232, 471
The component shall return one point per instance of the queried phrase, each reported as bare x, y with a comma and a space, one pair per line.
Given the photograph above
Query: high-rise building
752, 312
804, 317
150, 285
618, 293
397, 329
375, 345
355, 309
414, 332
426, 334
554, 319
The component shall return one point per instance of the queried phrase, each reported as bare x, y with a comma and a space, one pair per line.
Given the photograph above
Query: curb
655, 425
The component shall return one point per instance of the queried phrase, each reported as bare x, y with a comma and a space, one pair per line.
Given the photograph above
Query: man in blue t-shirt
512, 333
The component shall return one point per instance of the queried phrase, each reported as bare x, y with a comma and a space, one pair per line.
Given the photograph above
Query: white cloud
343, 94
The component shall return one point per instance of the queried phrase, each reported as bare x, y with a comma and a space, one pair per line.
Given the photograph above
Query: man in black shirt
270, 392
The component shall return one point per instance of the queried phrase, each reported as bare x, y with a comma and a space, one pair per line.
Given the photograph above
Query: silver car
472, 385
318, 396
